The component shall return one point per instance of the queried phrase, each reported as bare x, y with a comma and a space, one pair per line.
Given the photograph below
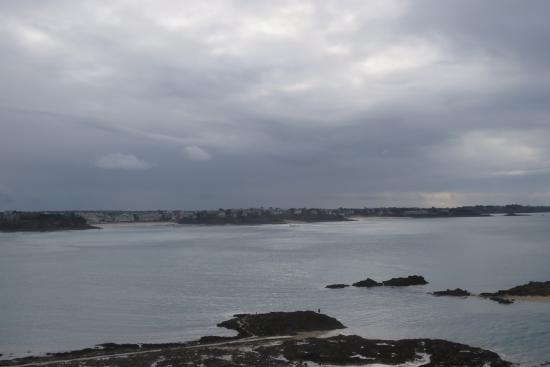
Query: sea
66, 290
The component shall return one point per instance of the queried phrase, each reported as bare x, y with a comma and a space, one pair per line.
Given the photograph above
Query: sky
170, 104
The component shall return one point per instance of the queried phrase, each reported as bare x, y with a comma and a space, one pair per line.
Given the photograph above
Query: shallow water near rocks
73, 289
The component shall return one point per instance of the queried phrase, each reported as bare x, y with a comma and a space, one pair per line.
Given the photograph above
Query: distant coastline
11, 221
42, 222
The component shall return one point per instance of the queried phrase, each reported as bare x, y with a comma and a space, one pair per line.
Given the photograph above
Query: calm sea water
74, 289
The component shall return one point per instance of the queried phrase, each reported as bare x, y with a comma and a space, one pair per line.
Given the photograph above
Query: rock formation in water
458, 292
529, 289
280, 323
502, 300
367, 283
393, 282
403, 282
337, 286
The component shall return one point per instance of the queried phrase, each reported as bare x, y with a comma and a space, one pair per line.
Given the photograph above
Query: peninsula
41, 222
276, 339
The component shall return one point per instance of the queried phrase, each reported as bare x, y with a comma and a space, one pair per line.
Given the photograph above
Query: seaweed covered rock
403, 282
280, 323
281, 351
367, 283
502, 300
337, 286
355, 350
529, 289
458, 292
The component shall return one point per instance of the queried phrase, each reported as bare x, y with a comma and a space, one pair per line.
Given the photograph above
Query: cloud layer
121, 161
238, 103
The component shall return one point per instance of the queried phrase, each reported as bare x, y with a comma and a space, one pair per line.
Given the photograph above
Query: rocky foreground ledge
275, 339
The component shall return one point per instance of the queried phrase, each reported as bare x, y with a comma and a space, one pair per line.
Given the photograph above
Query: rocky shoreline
275, 339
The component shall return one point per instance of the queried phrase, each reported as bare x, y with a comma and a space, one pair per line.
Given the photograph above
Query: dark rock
368, 283
337, 286
501, 300
453, 292
116, 347
280, 323
403, 282
215, 339
353, 349
336, 350
529, 289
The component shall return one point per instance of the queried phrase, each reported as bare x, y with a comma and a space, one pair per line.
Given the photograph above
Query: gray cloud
196, 153
128, 162
314, 103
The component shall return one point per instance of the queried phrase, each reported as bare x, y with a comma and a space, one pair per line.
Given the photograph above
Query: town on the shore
84, 219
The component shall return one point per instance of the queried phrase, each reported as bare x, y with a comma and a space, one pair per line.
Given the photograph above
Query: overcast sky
206, 104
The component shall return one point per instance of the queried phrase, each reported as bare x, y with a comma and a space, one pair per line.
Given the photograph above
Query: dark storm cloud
115, 104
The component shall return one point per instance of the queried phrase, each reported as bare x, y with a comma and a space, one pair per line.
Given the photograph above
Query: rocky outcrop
504, 296
355, 350
281, 323
502, 300
529, 289
337, 286
367, 283
337, 350
393, 282
403, 282
452, 292
498, 299
276, 349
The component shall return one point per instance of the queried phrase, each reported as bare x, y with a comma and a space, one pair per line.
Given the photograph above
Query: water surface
73, 289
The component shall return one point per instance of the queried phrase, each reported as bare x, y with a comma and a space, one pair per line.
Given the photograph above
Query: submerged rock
403, 282
368, 283
458, 292
337, 286
501, 300
281, 323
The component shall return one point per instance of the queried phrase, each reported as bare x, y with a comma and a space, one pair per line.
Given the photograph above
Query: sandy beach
135, 224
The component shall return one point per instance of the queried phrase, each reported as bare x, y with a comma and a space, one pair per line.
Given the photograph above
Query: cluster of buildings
116, 216
96, 217
9, 216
